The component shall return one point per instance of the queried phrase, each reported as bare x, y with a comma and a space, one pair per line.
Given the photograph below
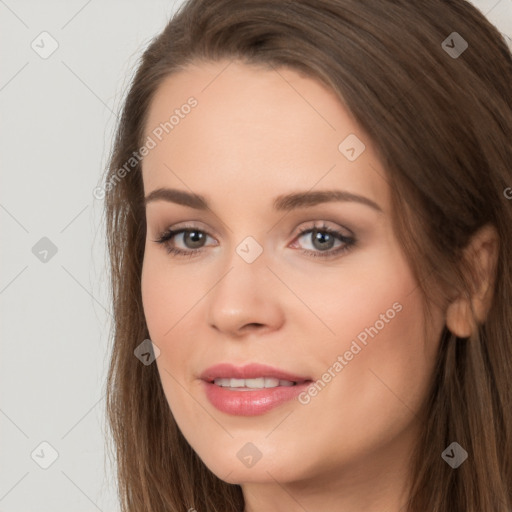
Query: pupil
196, 238
322, 238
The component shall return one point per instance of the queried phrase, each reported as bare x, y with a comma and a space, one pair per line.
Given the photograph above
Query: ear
465, 313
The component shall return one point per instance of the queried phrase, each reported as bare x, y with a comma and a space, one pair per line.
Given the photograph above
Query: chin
234, 465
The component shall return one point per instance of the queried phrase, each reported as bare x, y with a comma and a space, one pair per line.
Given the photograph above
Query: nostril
252, 325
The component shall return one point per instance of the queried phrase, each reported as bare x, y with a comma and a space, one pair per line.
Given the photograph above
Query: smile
252, 389
250, 384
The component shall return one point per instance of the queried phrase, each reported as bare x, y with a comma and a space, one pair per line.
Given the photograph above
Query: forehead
252, 128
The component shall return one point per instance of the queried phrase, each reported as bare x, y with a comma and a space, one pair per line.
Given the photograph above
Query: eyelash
349, 241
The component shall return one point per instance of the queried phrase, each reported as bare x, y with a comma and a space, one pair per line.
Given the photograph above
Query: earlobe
465, 313
459, 319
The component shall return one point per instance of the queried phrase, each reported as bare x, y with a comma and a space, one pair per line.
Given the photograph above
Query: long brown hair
442, 126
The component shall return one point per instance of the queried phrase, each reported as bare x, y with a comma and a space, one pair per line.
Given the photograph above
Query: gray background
58, 115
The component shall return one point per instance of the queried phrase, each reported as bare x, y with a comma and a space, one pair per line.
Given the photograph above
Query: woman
309, 231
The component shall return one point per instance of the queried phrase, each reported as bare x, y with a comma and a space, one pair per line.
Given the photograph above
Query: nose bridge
244, 295
244, 279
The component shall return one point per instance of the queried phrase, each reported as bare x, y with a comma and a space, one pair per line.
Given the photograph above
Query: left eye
323, 240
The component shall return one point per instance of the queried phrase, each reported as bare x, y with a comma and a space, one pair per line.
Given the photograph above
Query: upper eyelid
296, 232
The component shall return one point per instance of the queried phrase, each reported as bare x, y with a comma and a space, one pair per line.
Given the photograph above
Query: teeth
257, 383
260, 382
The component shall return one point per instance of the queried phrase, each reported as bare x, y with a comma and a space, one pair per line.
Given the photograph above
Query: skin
254, 135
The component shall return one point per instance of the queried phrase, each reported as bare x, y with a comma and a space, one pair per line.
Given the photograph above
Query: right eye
193, 239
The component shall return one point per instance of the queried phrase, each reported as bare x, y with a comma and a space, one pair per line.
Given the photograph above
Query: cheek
395, 359
167, 294
386, 362
374, 396
378, 354
164, 300
170, 298
165, 303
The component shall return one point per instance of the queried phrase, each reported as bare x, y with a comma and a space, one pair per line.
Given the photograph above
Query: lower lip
251, 403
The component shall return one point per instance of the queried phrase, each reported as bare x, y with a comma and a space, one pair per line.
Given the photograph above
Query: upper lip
248, 371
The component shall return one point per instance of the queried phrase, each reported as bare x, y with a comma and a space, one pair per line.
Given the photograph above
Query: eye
323, 240
192, 238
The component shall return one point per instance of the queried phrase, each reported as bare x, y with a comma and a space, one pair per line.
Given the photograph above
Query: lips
252, 389
250, 371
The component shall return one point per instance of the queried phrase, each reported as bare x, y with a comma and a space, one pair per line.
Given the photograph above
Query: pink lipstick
251, 389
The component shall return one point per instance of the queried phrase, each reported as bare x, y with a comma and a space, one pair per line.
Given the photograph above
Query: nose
246, 300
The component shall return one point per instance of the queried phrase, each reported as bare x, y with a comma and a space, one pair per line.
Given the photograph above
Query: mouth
250, 376
252, 389
234, 384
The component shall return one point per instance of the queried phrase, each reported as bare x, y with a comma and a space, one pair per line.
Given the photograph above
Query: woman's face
335, 315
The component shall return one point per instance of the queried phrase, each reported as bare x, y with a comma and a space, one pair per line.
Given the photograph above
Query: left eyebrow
286, 202
290, 202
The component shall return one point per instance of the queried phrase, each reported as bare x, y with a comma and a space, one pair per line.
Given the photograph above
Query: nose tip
244, 303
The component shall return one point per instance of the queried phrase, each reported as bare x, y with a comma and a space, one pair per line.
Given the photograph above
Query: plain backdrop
65, 68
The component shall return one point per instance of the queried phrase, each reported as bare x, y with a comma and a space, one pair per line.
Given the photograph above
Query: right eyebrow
177, 196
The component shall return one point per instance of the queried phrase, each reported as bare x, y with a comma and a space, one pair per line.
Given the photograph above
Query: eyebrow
285, 202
